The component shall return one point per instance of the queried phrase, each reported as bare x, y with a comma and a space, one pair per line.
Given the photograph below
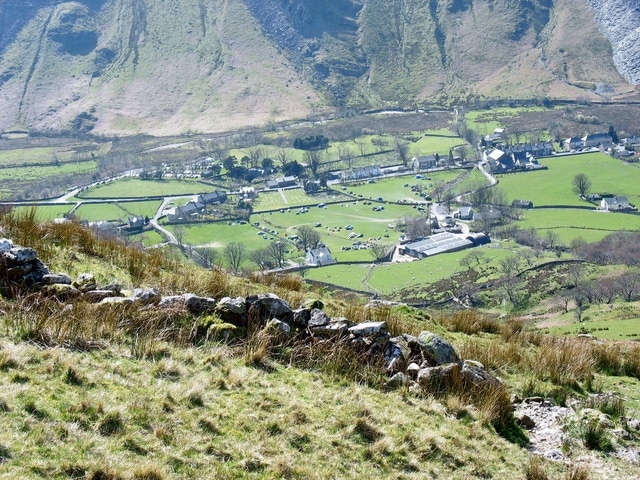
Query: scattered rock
436, 350
369, 329
5, 245
62, 278
318, 319
336, 327
232, 310
146, 296
279, 328
439, 379
199, 305
61, 291
525, 421
396, 381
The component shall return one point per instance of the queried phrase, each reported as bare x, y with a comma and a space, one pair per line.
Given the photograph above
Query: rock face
620, 22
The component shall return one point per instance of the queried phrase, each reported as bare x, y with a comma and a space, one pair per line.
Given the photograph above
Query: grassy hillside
168, 67
138, 393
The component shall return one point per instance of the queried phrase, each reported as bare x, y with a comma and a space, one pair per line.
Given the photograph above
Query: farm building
135, 223
522, 204
435, 244
319, 256
615, 203
185, 212
212, 198
282, 182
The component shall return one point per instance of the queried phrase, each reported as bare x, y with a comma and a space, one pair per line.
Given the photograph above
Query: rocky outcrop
620, 22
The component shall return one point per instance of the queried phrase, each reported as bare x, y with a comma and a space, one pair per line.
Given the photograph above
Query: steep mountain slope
161, 67
169, 66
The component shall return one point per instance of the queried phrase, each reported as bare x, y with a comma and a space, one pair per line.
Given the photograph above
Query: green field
148, 238
45, 212
219, 234
589, 225
440, 142
133, 188
554, 186
117, 211
294, 198
485, 121
37, 173
393, 189
628, 329
390, 278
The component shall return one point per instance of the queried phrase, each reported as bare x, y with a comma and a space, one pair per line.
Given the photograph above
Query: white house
319, 256
616, 203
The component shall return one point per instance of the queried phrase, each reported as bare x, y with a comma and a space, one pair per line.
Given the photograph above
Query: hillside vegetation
144, 392
166, 67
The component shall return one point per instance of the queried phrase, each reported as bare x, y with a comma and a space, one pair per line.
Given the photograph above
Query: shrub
595, 437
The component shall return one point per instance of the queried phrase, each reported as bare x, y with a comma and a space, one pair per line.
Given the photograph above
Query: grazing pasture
136, 188
554, 186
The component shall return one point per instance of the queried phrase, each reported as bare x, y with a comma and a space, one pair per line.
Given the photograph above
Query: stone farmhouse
617, 203
423, 162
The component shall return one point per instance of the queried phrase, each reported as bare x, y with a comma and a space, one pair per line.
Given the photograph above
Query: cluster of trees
620, 248
312, 142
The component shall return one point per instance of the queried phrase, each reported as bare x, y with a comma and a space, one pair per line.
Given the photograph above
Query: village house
361, 173
319, 256
595, 140
464, 213
135, 223
616, 203
185, 213
572, 143
423, 162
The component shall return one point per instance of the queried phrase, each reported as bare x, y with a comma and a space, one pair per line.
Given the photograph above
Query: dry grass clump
470, 322
496, 355
535, 469
565, 361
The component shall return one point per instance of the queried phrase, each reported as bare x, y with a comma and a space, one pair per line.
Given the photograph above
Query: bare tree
262, 258
576, 273
581, 184
282, 156
629, 285
551, 239
277, 251
510, 266
401, 148
313, 159
255, 154
207, 256
309, 237
236, 254
345, 155
415, 227
179, 233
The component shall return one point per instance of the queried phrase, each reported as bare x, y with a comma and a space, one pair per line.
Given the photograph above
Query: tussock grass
535, 469
470, 322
